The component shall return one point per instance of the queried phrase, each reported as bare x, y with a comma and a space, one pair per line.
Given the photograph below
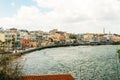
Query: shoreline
53, 46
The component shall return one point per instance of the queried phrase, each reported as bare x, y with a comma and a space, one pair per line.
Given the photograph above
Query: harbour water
82, 62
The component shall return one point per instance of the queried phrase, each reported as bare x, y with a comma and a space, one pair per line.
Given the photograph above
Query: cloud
83, 9
68, 15
85, 15
29, 18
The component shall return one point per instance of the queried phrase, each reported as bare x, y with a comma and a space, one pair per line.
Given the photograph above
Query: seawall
50, 46
39, 48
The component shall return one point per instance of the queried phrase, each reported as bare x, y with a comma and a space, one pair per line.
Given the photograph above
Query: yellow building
88, 37
2, 37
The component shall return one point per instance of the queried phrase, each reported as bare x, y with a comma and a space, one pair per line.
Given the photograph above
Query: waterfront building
88, 37
12, 32
33, 44
58, 37
37, 37
32, 36
23, 34
12, 38
68, 41
25, 43
115, 38
2, 37
95, 39
107, 38
80, 38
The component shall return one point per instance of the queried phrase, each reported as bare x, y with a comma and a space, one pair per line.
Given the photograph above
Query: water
82, 62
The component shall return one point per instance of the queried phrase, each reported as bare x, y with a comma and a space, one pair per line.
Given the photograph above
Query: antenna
103, 30
109, 32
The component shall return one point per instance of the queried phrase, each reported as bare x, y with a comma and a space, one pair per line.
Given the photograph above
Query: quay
43, 47
29, 50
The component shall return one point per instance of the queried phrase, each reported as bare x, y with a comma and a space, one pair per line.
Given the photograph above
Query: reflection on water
83, 62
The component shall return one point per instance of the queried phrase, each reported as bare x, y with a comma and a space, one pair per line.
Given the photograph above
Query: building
49, 77
23, 34
95, 39
115, 38
32, 36
25, 43
12, 38
88, 37
2, 37
33, 44
107, 38
56, 35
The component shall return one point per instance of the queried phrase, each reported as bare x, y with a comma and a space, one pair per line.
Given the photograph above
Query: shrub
8, 70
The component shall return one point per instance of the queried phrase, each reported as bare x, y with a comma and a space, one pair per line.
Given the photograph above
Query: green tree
73, 36
118, 54
8, 70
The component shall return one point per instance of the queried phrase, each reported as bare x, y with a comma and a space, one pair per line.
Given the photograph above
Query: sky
74, 16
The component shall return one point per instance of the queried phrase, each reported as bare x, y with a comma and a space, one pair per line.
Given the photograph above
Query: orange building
58, 35
25, 43
33, 44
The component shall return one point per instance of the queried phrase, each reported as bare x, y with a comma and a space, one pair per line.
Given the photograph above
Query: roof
13, 29
48, 77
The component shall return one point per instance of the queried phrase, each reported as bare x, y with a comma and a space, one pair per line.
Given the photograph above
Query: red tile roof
48, 77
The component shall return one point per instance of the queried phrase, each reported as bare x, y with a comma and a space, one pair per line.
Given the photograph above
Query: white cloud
68, 15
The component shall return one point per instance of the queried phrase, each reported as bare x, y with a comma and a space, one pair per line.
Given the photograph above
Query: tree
8, 70
3, 44
8, 43
0, 43
73, 36
118, 51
